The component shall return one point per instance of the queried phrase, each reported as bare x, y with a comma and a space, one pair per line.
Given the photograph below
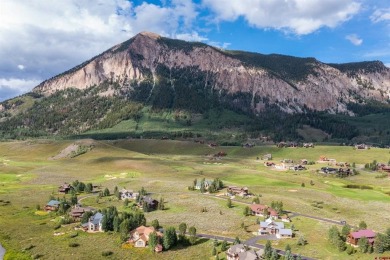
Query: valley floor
29, 175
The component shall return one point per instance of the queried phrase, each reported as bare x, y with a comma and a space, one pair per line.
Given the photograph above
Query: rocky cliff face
319, 87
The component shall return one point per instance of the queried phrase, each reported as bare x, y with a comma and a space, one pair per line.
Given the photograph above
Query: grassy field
29, 175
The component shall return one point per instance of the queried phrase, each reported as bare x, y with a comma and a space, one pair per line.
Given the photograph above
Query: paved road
2, 252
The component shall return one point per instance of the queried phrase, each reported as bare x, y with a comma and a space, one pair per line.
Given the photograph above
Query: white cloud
43, 38
192, 36
354, 39
380, 15
14, 87
387, 65
297, 16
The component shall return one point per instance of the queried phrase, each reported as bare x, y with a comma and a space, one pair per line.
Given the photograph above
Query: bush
57, 226
72, 244
107, 253
73, 235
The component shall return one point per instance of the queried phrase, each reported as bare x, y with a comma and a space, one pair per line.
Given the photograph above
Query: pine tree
345, 231
363, 244
274, 255
106, 192
268, 250
153, 241
116, 224
155, 224
236, 241
256, 200
214, 252
224, 246
247, 211
124, 229
229, 203
362, 225
170, 238
182, 231
161, 204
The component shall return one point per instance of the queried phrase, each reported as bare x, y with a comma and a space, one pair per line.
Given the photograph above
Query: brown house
234, 190
354, 237
65, 188
78, 211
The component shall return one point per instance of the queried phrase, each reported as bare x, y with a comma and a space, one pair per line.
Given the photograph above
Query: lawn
29, 175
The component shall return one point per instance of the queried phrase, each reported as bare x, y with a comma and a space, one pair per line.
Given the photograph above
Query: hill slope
166, 74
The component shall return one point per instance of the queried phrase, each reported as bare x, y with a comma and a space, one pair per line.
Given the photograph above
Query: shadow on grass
199, 241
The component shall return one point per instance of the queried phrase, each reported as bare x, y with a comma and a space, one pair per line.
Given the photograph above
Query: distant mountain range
167, 74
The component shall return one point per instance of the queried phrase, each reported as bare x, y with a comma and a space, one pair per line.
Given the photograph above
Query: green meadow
165, 168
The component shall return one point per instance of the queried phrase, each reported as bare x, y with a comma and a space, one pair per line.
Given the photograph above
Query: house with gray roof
271, 227
94, 223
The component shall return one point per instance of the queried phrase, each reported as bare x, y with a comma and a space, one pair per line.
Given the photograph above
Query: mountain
162, 73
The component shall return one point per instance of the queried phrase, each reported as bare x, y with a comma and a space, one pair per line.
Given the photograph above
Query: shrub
72, 244
107, 253
73, 235
57, 226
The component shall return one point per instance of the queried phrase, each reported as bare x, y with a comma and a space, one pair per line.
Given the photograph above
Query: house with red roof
259, 209
354, 237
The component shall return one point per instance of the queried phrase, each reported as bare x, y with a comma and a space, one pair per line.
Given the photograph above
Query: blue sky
42, 38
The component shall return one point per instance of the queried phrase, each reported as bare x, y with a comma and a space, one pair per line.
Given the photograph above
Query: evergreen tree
155, 224
124, 229
345, 232
247, 211
85, 217
363, 244
73, 199
117, 193
333, 235
256, 200
182, 231
214, 252
116, 223
153, 241
287, 248
170, 238
236, 241
106, 192
380, 244
274, 255
161, 204
126, 202
192, 235
362, 225
89, 188
301, 241
229, 203
224, 246
268, 250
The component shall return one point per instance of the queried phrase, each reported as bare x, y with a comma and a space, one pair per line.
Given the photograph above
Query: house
237, 191
259, 209
297, 168
269, 164
207, 184
383, 167
52, 205
283, 166
65, 188
152, 203
285, 218
329, 170
287, 161
128, 194
241, 252
308, 145
271, 227
267, 157
140, 237
94, 223
354, 237
362, 147
78, 211
304, 161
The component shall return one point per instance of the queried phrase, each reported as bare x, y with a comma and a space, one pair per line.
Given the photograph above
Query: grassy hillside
28, 176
